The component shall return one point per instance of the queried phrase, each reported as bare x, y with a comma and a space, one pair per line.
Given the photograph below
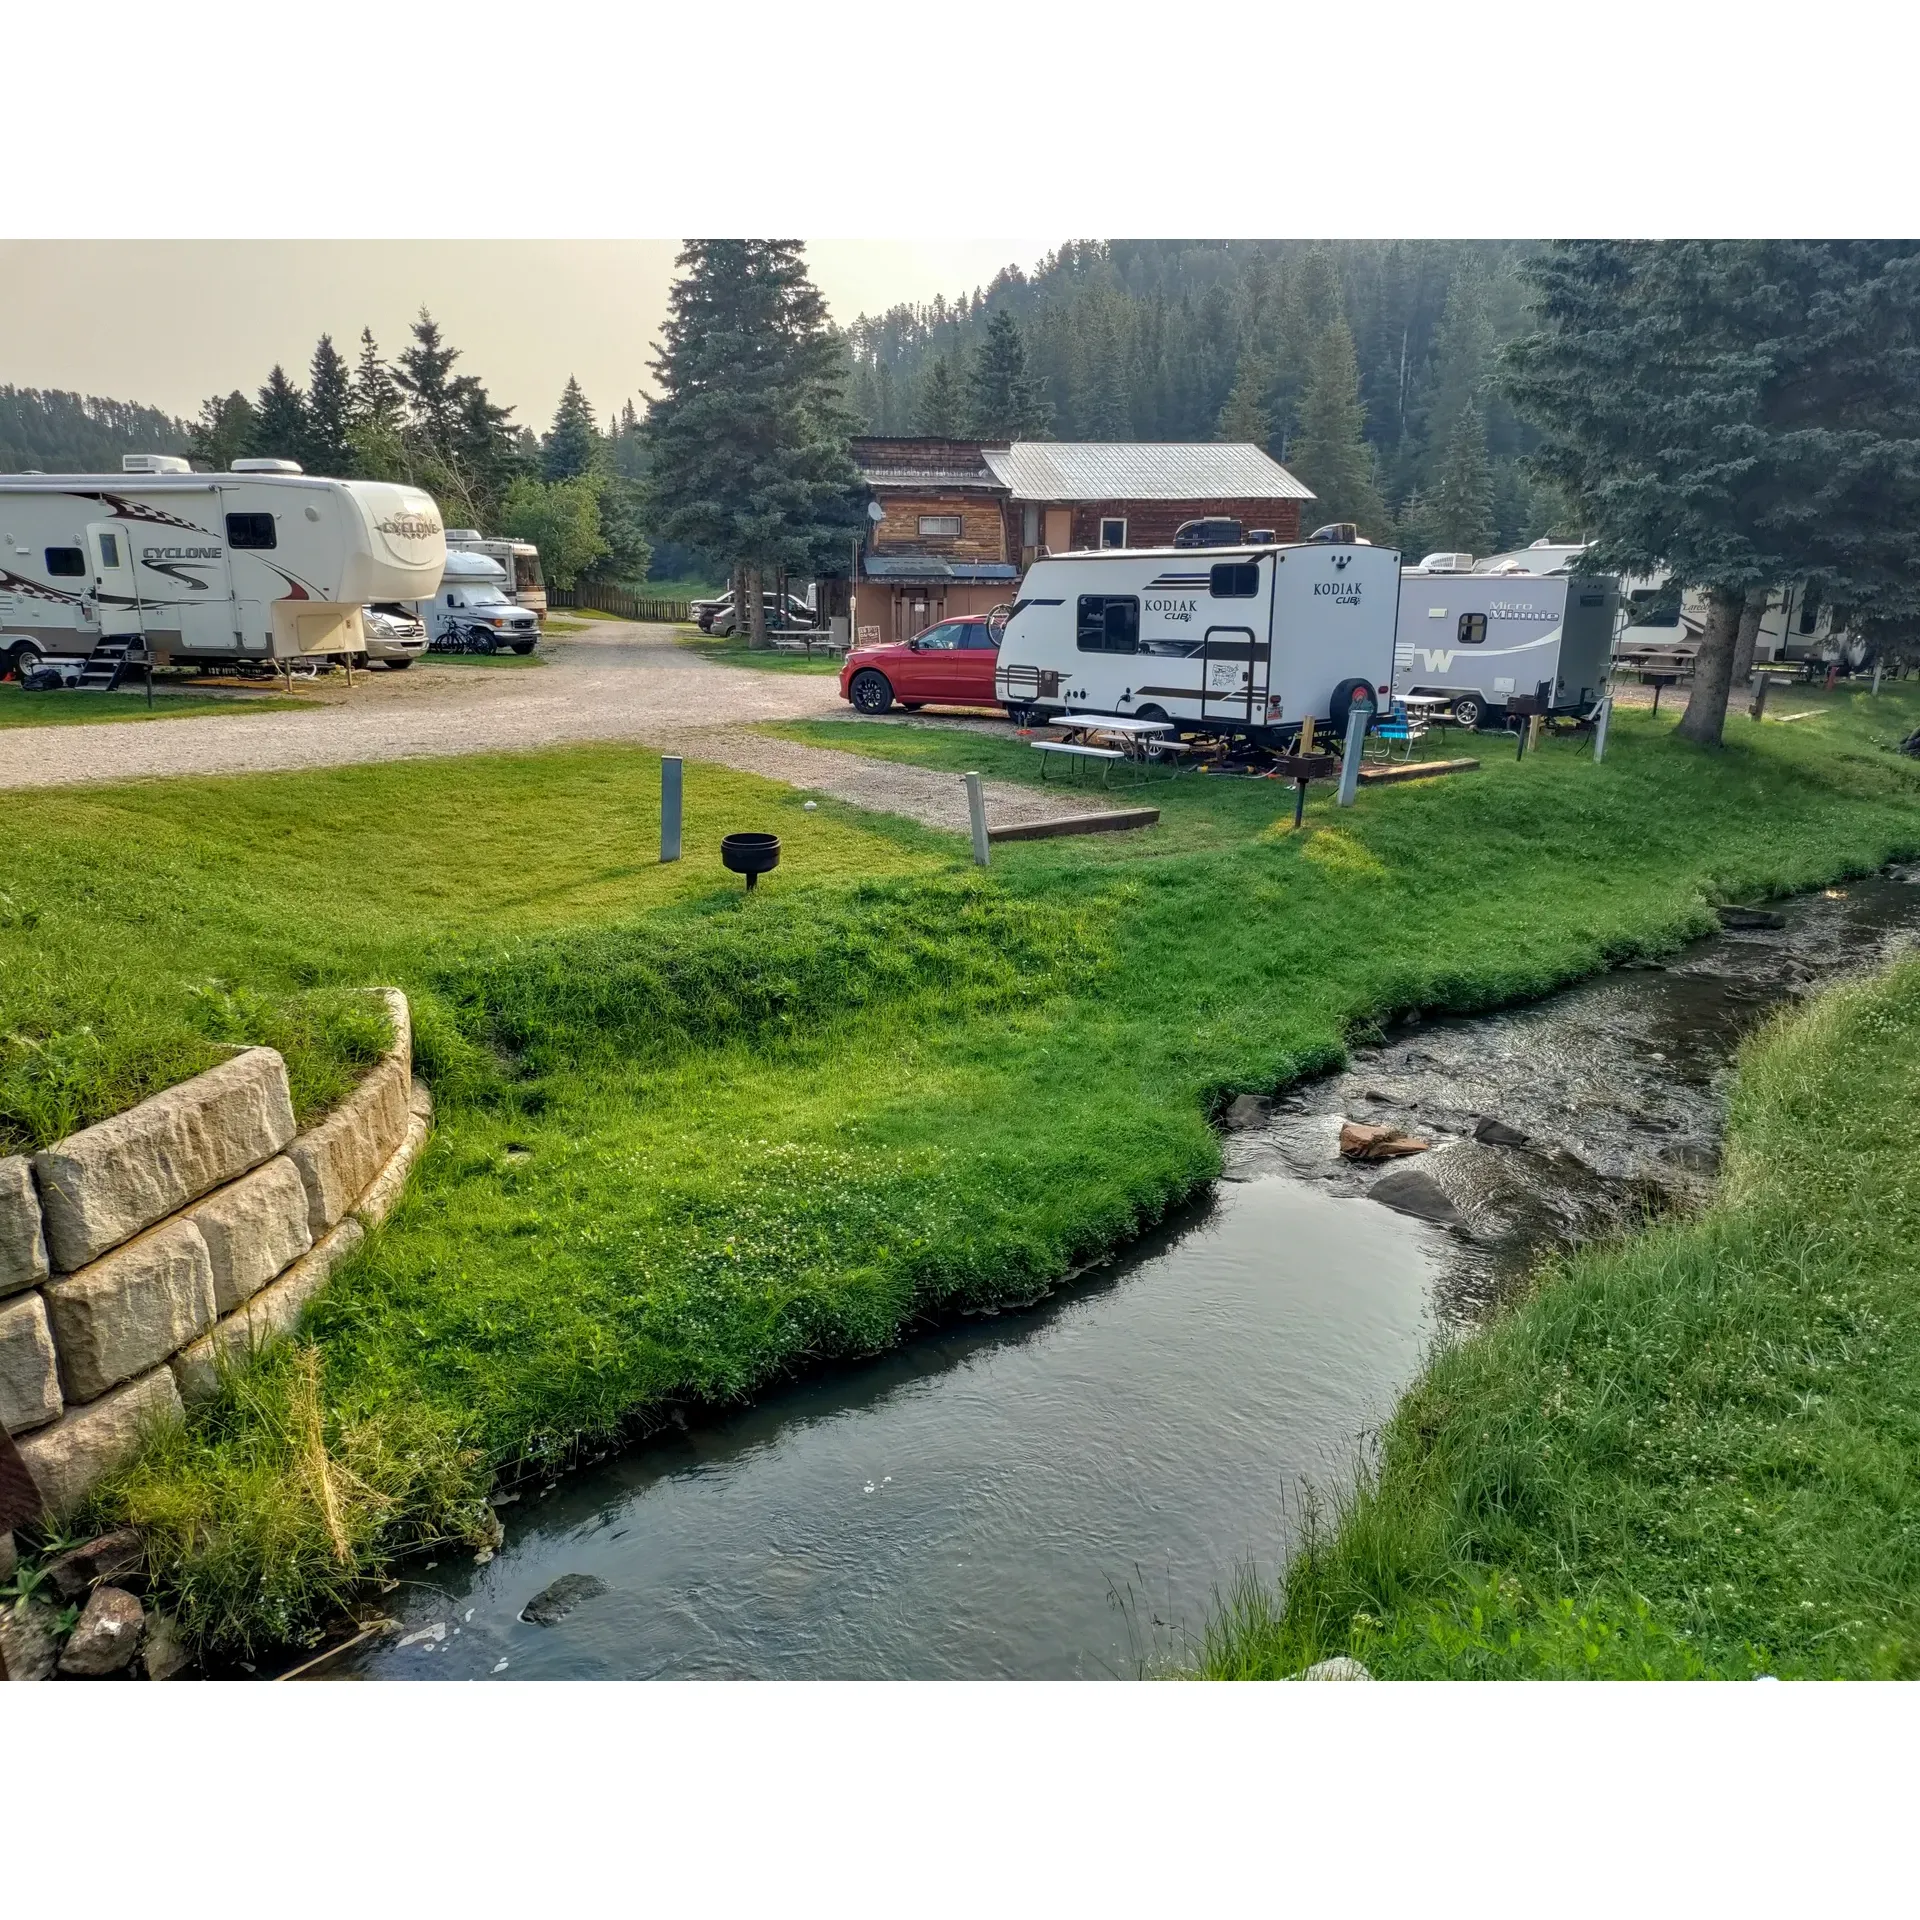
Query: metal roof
927, 566
930, 479
1141, 470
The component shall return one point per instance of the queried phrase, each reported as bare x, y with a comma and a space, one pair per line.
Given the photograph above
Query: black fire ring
750, 853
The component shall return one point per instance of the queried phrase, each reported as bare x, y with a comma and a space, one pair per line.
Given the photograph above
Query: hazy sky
168, 322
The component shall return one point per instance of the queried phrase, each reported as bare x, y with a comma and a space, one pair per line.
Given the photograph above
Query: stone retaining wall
138, 1255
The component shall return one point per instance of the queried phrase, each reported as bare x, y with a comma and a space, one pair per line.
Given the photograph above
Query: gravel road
621, 681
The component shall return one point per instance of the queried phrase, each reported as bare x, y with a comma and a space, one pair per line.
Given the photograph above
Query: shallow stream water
1061, 1492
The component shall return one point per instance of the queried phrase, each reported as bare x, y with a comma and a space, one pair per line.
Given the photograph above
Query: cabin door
1059, 529
116, 597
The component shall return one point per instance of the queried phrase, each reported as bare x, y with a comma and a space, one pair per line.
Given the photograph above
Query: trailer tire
1471, 712
870, 691
1345, 697
21, 658
1023, 715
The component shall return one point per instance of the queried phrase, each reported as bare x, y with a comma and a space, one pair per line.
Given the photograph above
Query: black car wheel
523, 646
396, 666
870, 692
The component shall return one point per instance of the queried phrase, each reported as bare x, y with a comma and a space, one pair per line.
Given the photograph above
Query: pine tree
1245, 416
280, 419
1742, 413
1003, 399
939, 410
573, 446
1330, 453
329, 412
224, 432
425, 375
466, 445
750, 434
1459, 510
376, 400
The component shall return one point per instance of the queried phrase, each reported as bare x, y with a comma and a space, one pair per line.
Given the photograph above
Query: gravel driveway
622, 681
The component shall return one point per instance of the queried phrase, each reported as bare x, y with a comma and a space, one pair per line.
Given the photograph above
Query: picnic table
1132, 742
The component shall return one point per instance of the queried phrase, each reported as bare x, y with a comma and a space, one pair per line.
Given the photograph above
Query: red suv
951, 664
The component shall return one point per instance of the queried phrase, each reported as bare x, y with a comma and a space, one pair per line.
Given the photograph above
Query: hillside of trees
44, 430
1367, 367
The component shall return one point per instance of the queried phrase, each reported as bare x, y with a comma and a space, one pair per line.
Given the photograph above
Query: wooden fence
619, 602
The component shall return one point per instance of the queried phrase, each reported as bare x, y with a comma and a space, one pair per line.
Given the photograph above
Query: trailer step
1413, 770
1113, 820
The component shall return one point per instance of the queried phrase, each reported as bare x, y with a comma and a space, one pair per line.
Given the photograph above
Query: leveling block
1413, 770
1114, 820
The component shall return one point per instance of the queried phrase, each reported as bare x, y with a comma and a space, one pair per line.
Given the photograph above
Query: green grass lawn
736, 653
67, 708
690, 1140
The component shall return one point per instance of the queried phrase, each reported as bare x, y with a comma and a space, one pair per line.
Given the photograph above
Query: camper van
1478, 633
259, 563
519, 563
1250, 640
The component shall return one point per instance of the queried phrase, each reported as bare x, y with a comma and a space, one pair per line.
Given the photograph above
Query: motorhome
518, 560
471, 612
1248, 640
1478, 633
260, 563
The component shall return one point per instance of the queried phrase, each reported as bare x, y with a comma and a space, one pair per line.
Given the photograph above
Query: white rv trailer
1517, 624
518, 560
260, 563
1240, 640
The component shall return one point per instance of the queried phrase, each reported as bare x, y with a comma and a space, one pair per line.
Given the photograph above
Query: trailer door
1231, 664
116, 597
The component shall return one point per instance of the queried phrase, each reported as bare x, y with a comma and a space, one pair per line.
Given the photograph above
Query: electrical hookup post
977, 820
1359, 719
670, 769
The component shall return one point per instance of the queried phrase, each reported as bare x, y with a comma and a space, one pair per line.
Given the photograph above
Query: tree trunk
739, 598
1706, 713
756, 609
1751, 614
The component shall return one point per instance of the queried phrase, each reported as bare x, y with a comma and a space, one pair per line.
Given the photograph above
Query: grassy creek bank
1692, 1454
690, 1142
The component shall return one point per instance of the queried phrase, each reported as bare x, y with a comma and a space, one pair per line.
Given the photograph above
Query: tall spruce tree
1004, 401
573, 446
1245, 416
1458, 512
376, 399
939, 412
224, 432
279, 420
329, 412
1743, 413
1330, 452
750, 434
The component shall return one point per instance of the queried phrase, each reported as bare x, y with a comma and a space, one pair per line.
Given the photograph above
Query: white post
670, 768
1876, 675
977, 815
1359, 717
1600, 728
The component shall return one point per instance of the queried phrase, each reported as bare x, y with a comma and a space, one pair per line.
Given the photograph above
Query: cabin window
1108, 623
939, 526
1113, 533
1235, 580
1473, 629
67, 563
254, 530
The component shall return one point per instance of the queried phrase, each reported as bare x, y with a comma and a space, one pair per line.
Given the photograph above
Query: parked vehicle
396, 637
518, 560
1481, 632
472, 614
262, 563
1239, 640
796, 612
951, 664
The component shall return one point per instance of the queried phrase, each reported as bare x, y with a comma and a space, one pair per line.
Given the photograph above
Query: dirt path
620, 682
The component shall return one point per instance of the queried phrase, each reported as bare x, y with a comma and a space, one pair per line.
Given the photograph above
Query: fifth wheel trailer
260, 563
1479, 638
1242, 640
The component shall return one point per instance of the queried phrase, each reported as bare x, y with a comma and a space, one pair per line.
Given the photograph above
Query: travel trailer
1249, 640
518, 560
260, 563
472, 614
1480, 632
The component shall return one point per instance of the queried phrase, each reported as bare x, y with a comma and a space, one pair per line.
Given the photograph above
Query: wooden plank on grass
1413, 770
1112, 820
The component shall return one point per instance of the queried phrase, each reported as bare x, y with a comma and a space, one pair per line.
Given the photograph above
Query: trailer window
527, 577
1108, 623
1235, 580
1473, 629
254, 530
67, 562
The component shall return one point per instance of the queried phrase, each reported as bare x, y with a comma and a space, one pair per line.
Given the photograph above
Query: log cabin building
955, 523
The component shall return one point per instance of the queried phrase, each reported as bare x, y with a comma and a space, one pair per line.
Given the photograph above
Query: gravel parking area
621, 681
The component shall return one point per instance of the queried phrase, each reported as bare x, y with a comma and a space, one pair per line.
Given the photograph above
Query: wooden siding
982, 530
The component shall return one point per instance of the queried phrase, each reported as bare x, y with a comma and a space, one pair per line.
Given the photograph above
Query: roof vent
1214, 531
1337, 533
1447, 563
463, 533
1262, 537
266, 466
153, 463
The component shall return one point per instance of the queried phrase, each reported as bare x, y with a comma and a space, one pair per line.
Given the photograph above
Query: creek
1063, 1491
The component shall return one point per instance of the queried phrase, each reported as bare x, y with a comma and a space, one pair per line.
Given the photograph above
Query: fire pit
750, 853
